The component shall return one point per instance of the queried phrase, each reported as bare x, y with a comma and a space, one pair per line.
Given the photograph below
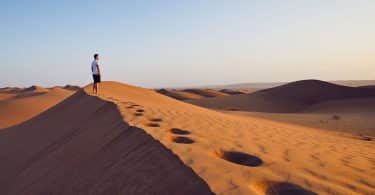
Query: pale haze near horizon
190, 43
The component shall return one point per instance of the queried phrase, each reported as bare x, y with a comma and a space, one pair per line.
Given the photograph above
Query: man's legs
97, 88
94, 88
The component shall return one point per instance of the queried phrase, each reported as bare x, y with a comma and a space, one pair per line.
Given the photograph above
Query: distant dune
72, 87
193, 94
264, 85
206, 92
18, 105
179, 95
233, 91
132, 140
292, 97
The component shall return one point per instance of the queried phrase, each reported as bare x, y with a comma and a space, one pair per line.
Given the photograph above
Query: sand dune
72, 87
234, 92
18, 105
233, 154
346, 105
194, 94
206, 92
179, 95
265, 85
82, 146
293, 97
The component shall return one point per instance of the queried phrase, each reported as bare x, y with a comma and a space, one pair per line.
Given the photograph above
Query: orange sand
19, 105
59, 150
315, 160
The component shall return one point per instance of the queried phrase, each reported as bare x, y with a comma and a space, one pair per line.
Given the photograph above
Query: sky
169, 43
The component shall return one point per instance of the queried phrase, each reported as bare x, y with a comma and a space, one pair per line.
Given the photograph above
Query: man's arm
97, 66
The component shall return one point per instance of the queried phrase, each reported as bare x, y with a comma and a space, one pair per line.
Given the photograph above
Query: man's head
96, 56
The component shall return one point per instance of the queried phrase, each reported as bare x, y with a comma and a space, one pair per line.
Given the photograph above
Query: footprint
365, 138
153, 124
156, 119
278, 188
286, 155
366, 183
138, 114
262, 149
240, 158
182, 140
140, 110
179, 131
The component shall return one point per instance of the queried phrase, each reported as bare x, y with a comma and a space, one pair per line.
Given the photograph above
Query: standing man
95, 74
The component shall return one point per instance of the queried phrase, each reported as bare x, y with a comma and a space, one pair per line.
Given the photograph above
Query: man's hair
96, 55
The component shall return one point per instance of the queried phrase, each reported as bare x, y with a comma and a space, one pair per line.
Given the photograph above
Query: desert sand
18, 105
310, 103
216, 145
104, 145
360, 125
83, 146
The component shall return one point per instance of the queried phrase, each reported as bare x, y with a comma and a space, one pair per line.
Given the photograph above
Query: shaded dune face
82, 146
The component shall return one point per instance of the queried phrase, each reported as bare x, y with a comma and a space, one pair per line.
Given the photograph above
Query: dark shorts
96, 78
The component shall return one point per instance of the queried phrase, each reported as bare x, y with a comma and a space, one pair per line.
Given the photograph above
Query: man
95, 74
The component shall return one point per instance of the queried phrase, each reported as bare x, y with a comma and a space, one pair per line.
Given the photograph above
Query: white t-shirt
94, 67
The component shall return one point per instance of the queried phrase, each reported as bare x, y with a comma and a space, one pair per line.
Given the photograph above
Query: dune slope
18, 105
247, 155
82, 146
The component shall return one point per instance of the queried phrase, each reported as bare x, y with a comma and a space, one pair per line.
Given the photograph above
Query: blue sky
183, 43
